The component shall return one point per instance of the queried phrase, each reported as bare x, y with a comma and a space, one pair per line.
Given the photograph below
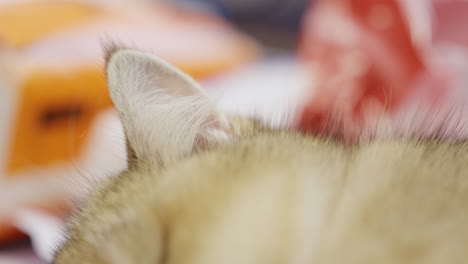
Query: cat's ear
165, 113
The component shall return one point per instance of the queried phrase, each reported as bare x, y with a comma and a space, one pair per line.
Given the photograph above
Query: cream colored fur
205, 188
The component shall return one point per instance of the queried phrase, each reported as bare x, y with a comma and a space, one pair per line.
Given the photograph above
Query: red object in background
364, 62
367, 61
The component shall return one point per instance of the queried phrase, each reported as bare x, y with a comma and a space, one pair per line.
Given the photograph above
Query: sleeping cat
204, 187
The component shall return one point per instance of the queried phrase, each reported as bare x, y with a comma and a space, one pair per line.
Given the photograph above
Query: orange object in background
52, 84
23, 23
52, 120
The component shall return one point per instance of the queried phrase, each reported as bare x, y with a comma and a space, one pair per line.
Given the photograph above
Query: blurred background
291, 63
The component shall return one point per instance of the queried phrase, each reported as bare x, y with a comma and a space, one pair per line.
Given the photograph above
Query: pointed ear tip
123, 62
113, 53
110, 49
116, 57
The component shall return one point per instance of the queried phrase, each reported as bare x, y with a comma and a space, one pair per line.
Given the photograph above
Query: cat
205, 187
